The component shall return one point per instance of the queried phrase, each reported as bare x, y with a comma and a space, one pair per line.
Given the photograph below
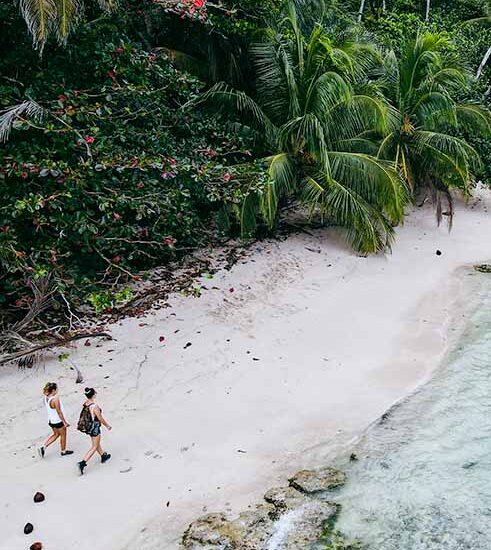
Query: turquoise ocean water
422, 480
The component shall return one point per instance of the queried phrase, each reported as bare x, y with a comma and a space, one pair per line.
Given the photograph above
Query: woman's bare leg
63, 439
52, 438
96, 443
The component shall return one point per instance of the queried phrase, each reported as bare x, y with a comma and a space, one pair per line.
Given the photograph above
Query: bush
111, 180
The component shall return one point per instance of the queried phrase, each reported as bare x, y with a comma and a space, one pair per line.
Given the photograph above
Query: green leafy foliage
112, 180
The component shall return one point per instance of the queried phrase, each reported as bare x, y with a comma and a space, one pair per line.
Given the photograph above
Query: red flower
62, 98
89, 139
116, 259
170, 241
24, 175
226, 176
139, 185
119, 50
117, 216
111, 74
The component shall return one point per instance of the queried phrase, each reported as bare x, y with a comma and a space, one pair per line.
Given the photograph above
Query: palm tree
424, 84
318, 116
55, 17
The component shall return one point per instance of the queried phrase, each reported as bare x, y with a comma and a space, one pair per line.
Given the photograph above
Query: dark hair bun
89, 392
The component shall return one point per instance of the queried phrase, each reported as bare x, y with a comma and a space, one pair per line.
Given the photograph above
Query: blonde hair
50, 387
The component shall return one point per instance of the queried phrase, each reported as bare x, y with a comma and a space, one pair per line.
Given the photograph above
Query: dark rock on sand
36, 546
315, 481
39, 497
483, 268
28, 528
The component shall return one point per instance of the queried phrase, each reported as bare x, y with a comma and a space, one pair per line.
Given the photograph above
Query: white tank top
53, 416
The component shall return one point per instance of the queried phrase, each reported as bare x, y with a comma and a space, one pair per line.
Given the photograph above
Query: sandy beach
284, 359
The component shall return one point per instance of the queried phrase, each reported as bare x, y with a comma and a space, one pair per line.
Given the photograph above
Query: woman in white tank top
56, 419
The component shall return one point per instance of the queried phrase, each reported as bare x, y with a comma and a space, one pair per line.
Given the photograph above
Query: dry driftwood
20, 355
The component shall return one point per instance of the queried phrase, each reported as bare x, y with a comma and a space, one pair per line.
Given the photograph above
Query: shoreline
297, 357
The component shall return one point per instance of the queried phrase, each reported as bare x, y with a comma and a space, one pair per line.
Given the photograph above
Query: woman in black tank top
95, 431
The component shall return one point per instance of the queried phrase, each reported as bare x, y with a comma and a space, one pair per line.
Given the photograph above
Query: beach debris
314, 481
126, 470
39, 497
87, 343
468, 465
353, 457
483, 268
241, 451
231, 290
161, 338
26, 358
438, 252
168, 504
28, 528
36, 546
187, 345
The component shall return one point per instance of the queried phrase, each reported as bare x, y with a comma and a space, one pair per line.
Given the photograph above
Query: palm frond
39, 16
474, 118
68, 12
8, 117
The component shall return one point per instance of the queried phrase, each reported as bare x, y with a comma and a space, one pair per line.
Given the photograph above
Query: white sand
339, 338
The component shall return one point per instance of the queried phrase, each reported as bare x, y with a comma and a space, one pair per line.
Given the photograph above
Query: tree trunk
360, 11
384, 6
428, 5
485, 59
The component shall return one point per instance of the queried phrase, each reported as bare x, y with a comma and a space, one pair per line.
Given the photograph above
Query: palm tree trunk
485, 59
360, 11
428, 5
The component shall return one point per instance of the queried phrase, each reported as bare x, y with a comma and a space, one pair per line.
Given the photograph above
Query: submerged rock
315, 481
284, 499
303, 527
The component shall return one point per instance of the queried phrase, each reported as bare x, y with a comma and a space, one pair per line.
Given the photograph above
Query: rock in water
39, 497
36, 546
315, 481
284, 499
211, 531
28, 528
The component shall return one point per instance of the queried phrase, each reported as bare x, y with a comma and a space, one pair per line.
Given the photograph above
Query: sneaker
81, 466
105, 457
41, 452
66, 453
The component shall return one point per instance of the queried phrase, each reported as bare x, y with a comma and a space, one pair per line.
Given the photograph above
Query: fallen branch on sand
25, 356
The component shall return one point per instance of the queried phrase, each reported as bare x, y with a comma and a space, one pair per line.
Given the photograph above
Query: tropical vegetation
136, 131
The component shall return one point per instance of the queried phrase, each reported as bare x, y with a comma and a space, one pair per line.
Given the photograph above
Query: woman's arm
57, 406
102, 420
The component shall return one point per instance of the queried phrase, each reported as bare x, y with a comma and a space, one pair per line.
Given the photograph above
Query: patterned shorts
96, 429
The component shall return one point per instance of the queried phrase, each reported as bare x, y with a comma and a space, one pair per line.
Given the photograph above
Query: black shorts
58, 425
95, 430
